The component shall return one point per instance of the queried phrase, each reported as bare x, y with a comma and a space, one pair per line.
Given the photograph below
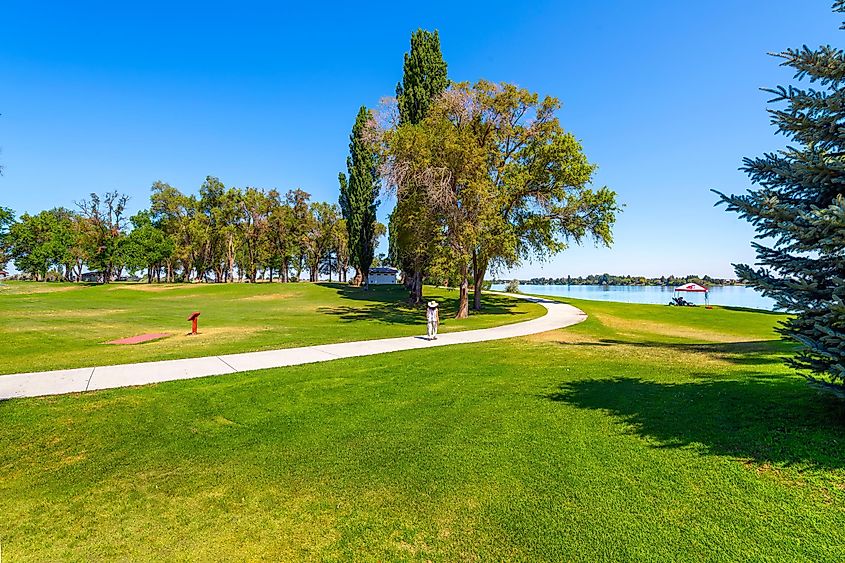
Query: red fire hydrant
193, 319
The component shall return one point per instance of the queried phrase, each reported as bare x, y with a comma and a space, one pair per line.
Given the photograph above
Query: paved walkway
558, 315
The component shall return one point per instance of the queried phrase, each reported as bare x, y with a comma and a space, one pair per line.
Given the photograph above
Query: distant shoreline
639, 281
707, 284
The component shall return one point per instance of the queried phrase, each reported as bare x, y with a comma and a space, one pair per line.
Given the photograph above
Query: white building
384, 275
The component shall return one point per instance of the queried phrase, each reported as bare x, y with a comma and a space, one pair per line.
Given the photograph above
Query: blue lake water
729, 296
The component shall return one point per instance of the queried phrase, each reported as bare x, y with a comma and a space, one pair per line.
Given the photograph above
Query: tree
210, 225
171, 210
106, 222
38, 243
424, 77
798, 211
498, 180
301, 219
148, 247
358, 195
341, 250
440, 159
280, 239
539, 181
413, 231
254, 209
321, 236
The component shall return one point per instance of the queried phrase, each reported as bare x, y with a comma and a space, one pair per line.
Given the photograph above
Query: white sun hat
432, 304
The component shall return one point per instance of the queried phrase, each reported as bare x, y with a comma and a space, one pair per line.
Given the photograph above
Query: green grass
645, 433
57, 326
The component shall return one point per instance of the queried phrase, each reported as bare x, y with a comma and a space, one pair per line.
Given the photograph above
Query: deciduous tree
494, 179
106, 222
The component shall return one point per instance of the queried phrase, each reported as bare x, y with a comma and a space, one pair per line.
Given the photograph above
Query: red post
193, 319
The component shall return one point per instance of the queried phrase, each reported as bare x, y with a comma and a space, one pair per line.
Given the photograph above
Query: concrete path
558, 315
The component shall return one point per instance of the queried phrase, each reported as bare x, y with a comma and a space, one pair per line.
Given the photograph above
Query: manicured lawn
645, 433
56, 326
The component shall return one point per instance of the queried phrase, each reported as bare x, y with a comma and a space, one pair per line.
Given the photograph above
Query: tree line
221, 234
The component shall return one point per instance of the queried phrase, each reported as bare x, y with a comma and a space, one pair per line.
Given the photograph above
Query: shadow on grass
762, 418
388, 304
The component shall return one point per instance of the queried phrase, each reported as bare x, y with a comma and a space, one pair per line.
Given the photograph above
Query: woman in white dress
432, 315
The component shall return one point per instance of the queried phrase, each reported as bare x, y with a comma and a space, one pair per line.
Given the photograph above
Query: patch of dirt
140, 338
209, 333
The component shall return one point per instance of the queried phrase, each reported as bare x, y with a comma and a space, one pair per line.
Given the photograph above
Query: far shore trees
798, 210
359, 196
497, 177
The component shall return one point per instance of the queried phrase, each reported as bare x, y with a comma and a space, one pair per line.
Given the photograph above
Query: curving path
558, 315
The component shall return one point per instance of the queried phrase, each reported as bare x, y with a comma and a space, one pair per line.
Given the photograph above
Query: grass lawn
57, 326
644, 433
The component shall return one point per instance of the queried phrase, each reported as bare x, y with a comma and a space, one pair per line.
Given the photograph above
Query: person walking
432, 315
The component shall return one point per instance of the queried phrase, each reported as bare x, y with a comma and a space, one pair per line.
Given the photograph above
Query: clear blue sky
664, 96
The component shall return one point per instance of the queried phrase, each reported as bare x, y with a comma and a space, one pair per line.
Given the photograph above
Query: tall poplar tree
798, 210
412, 232
423, 77
358, 196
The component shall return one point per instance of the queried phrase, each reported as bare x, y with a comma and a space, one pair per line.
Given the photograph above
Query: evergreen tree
423, 79
799, 205
358, 195
412, 231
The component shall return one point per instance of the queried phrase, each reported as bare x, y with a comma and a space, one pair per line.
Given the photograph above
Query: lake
730, 296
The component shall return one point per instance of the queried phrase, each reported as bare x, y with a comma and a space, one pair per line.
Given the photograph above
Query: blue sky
664, 96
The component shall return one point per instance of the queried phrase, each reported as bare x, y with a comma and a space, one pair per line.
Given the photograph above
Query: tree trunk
230, 258
408, 281
417, 287
479, 268
463, 301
